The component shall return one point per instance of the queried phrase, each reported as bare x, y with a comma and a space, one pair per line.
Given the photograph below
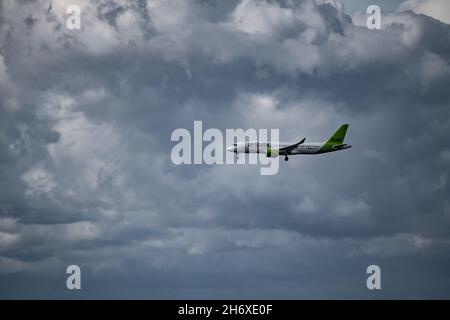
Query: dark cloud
86, 175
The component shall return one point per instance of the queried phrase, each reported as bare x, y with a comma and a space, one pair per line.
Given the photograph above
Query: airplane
273, 150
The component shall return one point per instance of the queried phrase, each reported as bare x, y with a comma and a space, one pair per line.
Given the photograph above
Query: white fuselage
261, 147
275, 149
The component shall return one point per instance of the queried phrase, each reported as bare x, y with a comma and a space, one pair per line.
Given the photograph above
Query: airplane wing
287, 149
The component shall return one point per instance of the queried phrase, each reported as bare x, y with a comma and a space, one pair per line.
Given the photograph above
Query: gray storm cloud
85, 170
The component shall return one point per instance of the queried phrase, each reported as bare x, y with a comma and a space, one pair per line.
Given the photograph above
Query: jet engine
272, 153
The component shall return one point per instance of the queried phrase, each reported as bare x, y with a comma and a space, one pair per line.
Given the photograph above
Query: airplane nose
230, 148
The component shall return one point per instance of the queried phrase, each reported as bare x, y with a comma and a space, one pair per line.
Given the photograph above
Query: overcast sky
86, 176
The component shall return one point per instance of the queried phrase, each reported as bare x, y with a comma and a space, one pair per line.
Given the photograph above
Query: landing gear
286, 158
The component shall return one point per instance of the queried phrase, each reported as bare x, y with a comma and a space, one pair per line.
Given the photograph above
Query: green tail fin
336, 141
339, 135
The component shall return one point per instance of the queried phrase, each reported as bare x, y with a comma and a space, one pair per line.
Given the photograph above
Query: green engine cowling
272, 153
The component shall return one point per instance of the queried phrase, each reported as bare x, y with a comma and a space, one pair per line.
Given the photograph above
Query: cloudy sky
86, 176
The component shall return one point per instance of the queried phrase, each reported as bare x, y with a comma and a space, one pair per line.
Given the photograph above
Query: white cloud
270, 19
397, 245
352, 207
8, 240
81, 231
307, 206
39, 180
438, 9
11, 265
